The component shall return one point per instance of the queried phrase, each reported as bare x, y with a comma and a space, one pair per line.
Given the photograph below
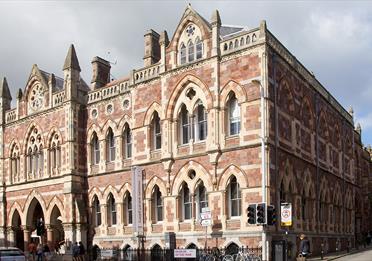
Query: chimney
152, 48
101, 72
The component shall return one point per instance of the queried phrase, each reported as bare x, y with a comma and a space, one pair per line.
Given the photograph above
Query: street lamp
263, 163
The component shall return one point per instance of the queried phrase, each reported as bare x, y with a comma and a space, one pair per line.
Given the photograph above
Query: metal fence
158, 254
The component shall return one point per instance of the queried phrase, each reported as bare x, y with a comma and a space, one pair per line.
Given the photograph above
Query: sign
286, 214
108, 253
205, 217
185, 253
206, 222
137, 200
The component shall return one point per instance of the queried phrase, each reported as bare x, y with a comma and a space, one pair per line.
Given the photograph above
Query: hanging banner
137, 200
286, 214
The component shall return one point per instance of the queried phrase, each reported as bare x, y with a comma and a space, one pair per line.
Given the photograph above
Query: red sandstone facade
257, 127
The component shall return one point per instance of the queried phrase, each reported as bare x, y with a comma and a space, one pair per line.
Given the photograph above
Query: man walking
304, 247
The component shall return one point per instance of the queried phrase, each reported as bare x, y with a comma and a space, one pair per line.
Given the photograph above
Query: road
362, 256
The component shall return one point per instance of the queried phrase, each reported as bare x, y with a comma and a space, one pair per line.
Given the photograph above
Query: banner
286, 214
137, 200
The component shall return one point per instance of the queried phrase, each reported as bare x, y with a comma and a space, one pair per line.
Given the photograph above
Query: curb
342, 255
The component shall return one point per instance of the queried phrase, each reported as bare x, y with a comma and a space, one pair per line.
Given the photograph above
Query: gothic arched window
201, 197
186, 202
157, 205
96, 209
111, 210
199, 48
183, 53
233, 115
185, 125
191, 51
201, 122
234, 197
127, 144
110, 146
95, 150
155, 130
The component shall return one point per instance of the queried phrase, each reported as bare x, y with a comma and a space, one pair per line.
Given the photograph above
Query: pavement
341, 254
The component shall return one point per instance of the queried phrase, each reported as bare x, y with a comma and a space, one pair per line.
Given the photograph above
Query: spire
216, 19
71, 60
19, 94
4, 89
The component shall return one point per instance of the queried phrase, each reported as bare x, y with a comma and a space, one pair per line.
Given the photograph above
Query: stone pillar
27, 237
11, 236
70, 235
50, 239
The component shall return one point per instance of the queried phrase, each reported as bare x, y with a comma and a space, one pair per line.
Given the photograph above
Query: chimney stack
101, 72
152, 48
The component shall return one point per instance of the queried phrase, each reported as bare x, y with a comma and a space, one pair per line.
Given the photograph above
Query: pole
206, 234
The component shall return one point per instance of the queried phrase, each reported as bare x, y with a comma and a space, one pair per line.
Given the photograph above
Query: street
362, 256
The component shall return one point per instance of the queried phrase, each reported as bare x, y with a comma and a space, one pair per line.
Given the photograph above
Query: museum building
219, 117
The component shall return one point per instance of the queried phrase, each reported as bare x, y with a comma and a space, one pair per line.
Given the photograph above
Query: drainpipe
265, 247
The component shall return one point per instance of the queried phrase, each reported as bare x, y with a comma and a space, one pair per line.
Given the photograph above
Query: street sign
206, 222
185, 253
286, 214
206, 215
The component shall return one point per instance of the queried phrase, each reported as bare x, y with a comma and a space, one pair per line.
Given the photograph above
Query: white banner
137, 200
185, 253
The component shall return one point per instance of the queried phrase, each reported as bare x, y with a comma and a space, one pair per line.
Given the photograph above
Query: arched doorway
35, 214
58, 233
17, 231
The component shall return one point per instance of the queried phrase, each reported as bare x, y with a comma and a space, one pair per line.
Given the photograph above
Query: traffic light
40, 230
251, 210
261, 213
271, 215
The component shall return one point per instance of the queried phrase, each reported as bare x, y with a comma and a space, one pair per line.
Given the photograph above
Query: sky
332, 39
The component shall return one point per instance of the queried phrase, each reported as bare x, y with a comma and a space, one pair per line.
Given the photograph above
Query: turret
216, 24
5, 98
163, 42
71, 71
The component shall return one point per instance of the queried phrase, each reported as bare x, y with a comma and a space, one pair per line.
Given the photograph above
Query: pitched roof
231, 30
71, 60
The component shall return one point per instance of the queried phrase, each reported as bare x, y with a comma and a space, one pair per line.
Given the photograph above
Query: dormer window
190, 45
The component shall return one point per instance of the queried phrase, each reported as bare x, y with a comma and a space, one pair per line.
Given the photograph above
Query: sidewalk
335, 255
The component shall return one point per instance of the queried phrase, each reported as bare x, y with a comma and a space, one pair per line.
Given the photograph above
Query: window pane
234, 116
129, 210
191, 51
183, 54
199, 49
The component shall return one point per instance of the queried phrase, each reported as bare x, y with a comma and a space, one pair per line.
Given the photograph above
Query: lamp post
265, 247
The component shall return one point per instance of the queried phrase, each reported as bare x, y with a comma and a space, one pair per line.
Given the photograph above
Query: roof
59, 80
231, 30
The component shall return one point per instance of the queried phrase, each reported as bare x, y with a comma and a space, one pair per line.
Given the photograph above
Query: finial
351, 111
4, 89
216, 19
164, 38
19, 94
71, 60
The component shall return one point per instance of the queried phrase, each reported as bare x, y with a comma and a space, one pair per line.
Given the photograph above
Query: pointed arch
188, 79
31, 196
32, 126
236, 88
55, 202
110, 189
110, 124
155, 180
12, 144
126, 119
126, 187
229, 171
94, 191
307, 113
182, 176
51, 134
93, 129
154, 107
323, 126
285, 97
15, 207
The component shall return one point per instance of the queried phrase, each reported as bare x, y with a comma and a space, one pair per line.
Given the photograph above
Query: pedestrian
39, 252
46, 252
304, 247
32, 250
81, 250
75, 251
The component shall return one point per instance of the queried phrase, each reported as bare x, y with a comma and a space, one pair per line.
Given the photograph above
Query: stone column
27, 237
70, 235
50, 239
11, 236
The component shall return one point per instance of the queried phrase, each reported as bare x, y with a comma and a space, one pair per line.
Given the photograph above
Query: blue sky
332, 39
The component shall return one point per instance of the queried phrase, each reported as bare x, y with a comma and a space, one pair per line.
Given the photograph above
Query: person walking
39, 252
304, 248
75, 252
81, 251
